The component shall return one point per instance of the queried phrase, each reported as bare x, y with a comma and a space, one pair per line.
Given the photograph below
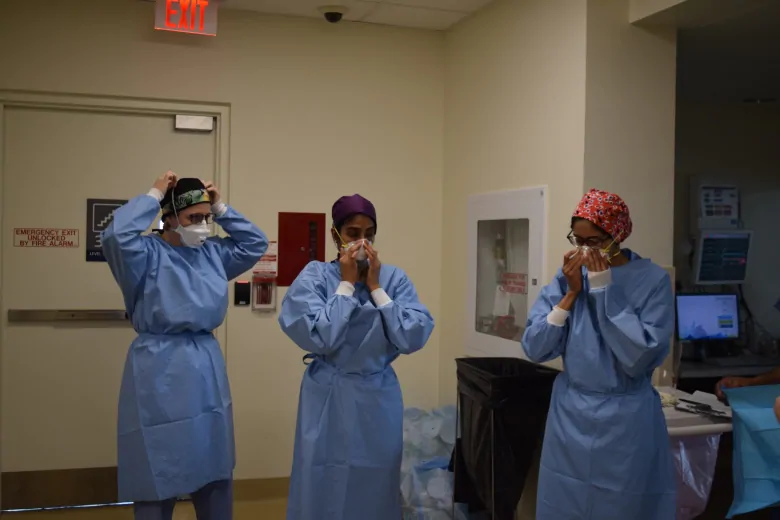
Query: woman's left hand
212, 191
374, 265
595, 261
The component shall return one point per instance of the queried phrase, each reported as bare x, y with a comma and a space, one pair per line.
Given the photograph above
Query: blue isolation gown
606, 452
175, 430
349, 436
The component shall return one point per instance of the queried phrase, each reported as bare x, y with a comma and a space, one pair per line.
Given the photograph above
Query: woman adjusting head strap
186, 193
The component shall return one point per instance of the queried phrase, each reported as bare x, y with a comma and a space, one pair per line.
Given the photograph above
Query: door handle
52, 315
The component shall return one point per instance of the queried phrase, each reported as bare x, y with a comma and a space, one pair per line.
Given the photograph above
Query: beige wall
630, 122
566, 94
417, 121
641, 9
515, 117
317, 111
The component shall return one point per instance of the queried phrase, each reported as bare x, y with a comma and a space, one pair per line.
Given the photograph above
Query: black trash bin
502, 410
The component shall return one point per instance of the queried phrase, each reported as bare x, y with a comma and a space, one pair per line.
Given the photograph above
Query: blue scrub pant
212, 502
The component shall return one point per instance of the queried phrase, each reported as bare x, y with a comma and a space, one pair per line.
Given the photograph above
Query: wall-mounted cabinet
506, 260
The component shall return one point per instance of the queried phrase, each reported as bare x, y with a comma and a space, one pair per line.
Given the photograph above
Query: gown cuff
156, 194
380, 298
557, 317
599, 280
346, 289
219, 209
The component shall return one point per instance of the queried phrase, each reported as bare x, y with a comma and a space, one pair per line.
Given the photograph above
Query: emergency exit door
60, 381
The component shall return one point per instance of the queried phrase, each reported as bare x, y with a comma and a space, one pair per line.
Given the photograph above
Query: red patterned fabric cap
607, 211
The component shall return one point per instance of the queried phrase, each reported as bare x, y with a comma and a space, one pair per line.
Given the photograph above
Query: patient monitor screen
707, 317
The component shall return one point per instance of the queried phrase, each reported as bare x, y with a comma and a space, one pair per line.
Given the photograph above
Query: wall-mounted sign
187, 16
46, 237
514, 283
100, 213
269, 263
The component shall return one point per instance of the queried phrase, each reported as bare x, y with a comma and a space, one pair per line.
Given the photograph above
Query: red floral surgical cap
607, 211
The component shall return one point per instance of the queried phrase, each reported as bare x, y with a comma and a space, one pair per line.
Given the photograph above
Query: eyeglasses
585, 242
198, 218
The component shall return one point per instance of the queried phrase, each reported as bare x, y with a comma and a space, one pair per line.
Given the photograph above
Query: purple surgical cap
351, 205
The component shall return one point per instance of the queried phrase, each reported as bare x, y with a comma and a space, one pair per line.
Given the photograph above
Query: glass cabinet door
502, 278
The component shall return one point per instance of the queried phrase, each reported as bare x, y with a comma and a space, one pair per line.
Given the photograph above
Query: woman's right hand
167, 181
349, 266
572, 270
732, 382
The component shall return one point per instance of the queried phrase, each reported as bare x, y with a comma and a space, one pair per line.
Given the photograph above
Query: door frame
117, 105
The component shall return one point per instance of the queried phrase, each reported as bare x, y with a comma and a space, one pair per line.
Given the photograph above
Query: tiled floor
261, 510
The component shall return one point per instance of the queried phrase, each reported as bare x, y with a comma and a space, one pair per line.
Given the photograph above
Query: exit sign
187, 16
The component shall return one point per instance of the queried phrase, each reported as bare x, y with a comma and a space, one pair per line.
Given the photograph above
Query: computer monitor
722, 257
707, 317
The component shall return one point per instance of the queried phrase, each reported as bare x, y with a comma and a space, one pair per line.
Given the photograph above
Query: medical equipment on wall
718, 207
708, 325
721, 257
265, 280
263, 292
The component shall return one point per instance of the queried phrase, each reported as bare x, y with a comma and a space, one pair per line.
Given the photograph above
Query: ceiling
420, 14
734, 59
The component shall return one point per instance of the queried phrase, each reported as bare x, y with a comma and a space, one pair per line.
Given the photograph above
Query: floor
259, 510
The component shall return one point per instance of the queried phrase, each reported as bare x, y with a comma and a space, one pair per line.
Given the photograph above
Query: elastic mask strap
343, 244
606, 250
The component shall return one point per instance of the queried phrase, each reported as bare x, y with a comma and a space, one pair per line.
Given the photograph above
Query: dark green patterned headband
185, 200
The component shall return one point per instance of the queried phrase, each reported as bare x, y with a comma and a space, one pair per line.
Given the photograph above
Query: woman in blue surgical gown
175, 430
354, 316
609, 314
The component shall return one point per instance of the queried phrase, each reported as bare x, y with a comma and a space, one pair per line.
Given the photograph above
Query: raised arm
408, 324
123, 242
547, 327
245, 243
316, 321
640, 339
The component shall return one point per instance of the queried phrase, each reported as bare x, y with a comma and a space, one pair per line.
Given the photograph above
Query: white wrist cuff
219, 209
380, 297
557, 317
346, 289
599, 280
157, 194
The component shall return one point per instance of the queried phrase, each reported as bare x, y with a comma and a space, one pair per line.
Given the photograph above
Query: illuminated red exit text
186, 15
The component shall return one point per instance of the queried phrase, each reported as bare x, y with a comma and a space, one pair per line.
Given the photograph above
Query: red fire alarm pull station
301, 240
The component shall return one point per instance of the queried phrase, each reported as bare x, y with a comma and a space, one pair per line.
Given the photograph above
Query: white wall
630, 121
734, 144
515, 118
561, 93
318, 111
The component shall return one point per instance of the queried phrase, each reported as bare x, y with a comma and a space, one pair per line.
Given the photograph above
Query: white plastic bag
694, 458
426, 484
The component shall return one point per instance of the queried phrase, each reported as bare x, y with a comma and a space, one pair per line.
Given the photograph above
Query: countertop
681, 424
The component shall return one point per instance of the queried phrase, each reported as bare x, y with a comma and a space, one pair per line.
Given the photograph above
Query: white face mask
361, 253
194, 235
